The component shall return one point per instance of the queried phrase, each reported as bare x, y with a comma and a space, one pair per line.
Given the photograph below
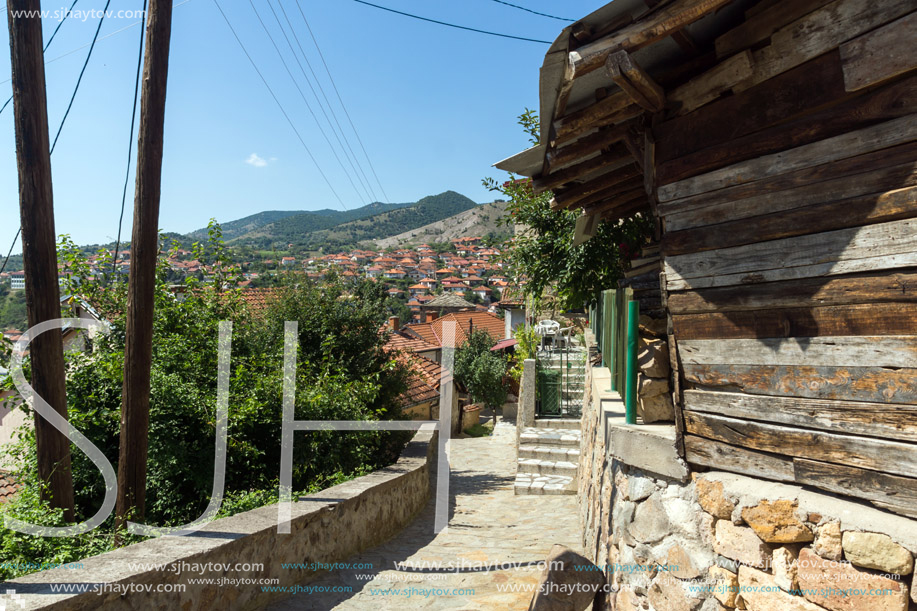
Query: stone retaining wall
328, 526
713, 541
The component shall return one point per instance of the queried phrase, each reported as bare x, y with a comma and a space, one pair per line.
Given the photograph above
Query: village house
772, 146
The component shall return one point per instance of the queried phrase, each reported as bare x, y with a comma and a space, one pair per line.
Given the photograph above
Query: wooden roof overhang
604, 82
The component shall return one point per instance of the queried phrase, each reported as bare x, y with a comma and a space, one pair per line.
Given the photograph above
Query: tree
481, 371
544, 256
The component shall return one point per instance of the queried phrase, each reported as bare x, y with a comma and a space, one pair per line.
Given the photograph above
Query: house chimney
394, 323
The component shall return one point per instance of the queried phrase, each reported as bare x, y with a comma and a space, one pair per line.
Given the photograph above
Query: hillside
332, 231
479, 221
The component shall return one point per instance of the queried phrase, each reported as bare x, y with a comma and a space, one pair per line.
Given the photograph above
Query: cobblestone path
489, 526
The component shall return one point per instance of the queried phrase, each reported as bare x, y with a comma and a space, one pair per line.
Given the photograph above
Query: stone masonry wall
724, 541
326, 527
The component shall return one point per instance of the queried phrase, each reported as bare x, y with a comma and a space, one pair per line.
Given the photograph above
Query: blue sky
434, 107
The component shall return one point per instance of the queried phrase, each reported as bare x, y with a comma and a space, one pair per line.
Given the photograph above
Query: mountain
332, 230
479, 221
234, 229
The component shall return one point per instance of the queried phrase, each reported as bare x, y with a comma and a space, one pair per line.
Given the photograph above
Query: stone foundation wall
715, 541
326, 527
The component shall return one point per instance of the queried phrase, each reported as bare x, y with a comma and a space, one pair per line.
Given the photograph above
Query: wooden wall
786, 180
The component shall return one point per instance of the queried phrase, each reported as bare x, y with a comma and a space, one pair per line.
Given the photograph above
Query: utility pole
39, 250
138, 350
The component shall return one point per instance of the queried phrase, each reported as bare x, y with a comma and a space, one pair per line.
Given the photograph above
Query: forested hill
314, 230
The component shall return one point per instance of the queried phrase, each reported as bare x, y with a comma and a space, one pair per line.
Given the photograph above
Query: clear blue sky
434, 106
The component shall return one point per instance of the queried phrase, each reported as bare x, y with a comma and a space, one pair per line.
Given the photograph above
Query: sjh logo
12, 596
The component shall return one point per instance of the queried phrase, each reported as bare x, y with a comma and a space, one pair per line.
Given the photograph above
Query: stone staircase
548, 457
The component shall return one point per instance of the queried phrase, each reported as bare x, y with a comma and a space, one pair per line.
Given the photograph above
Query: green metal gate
549, 391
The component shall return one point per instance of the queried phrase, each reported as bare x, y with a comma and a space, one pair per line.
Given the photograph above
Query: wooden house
774, 143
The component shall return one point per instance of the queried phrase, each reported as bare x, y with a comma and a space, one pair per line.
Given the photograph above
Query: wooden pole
39, 251
135, 401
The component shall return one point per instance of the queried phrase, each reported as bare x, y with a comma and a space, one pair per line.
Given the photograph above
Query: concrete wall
671, 539
328, 526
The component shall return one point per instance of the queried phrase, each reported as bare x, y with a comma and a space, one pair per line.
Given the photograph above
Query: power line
528, 10
452, 25
82, 72
279, 105
47, 44
338, 93
130, 146
321, 107
303, 96
345, 145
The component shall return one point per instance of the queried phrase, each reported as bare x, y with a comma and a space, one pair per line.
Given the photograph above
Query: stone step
533, 483
546, 467
551, 437
558, 423
549, 452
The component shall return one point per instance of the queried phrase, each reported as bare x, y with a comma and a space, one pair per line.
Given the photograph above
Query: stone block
639, 488
667, 593
712, 499
657, 408
760, 593
914, 590
622, 514
650, 522
840, 586
687, 561
650, 448
741, 544
784, 562
564, 588
828, 541
651, 387
776, 522
877, 551
725, 585
653, 358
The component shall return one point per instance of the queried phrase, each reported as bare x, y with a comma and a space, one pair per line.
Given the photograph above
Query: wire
345, 145
303, 96
130, 145
338, 93
528, 10
452, 25
47, 44
82, 72
8, 254
279, 105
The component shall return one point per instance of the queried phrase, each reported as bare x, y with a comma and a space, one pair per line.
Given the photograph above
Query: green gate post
607, 321
612, 305
633, 334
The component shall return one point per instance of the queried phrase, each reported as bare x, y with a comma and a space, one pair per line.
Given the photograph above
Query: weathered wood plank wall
786, 179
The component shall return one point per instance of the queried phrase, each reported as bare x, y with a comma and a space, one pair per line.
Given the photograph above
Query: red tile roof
258, 300
433, 331
8, 487
423, 384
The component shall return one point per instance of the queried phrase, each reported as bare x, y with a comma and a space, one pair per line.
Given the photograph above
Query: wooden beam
891, 245
711, 84
613, 109
591, 144
618, 194
725, 457
890, 102
633, 80
826, 321
879, 420
883, 287
866, 383
876, 454
859, 182
898, 494
839, 351
841, 214
881, 54
39, 246
884, 166
617, 156
566, 198
653, 27
135, 405
760, 27
866, 140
